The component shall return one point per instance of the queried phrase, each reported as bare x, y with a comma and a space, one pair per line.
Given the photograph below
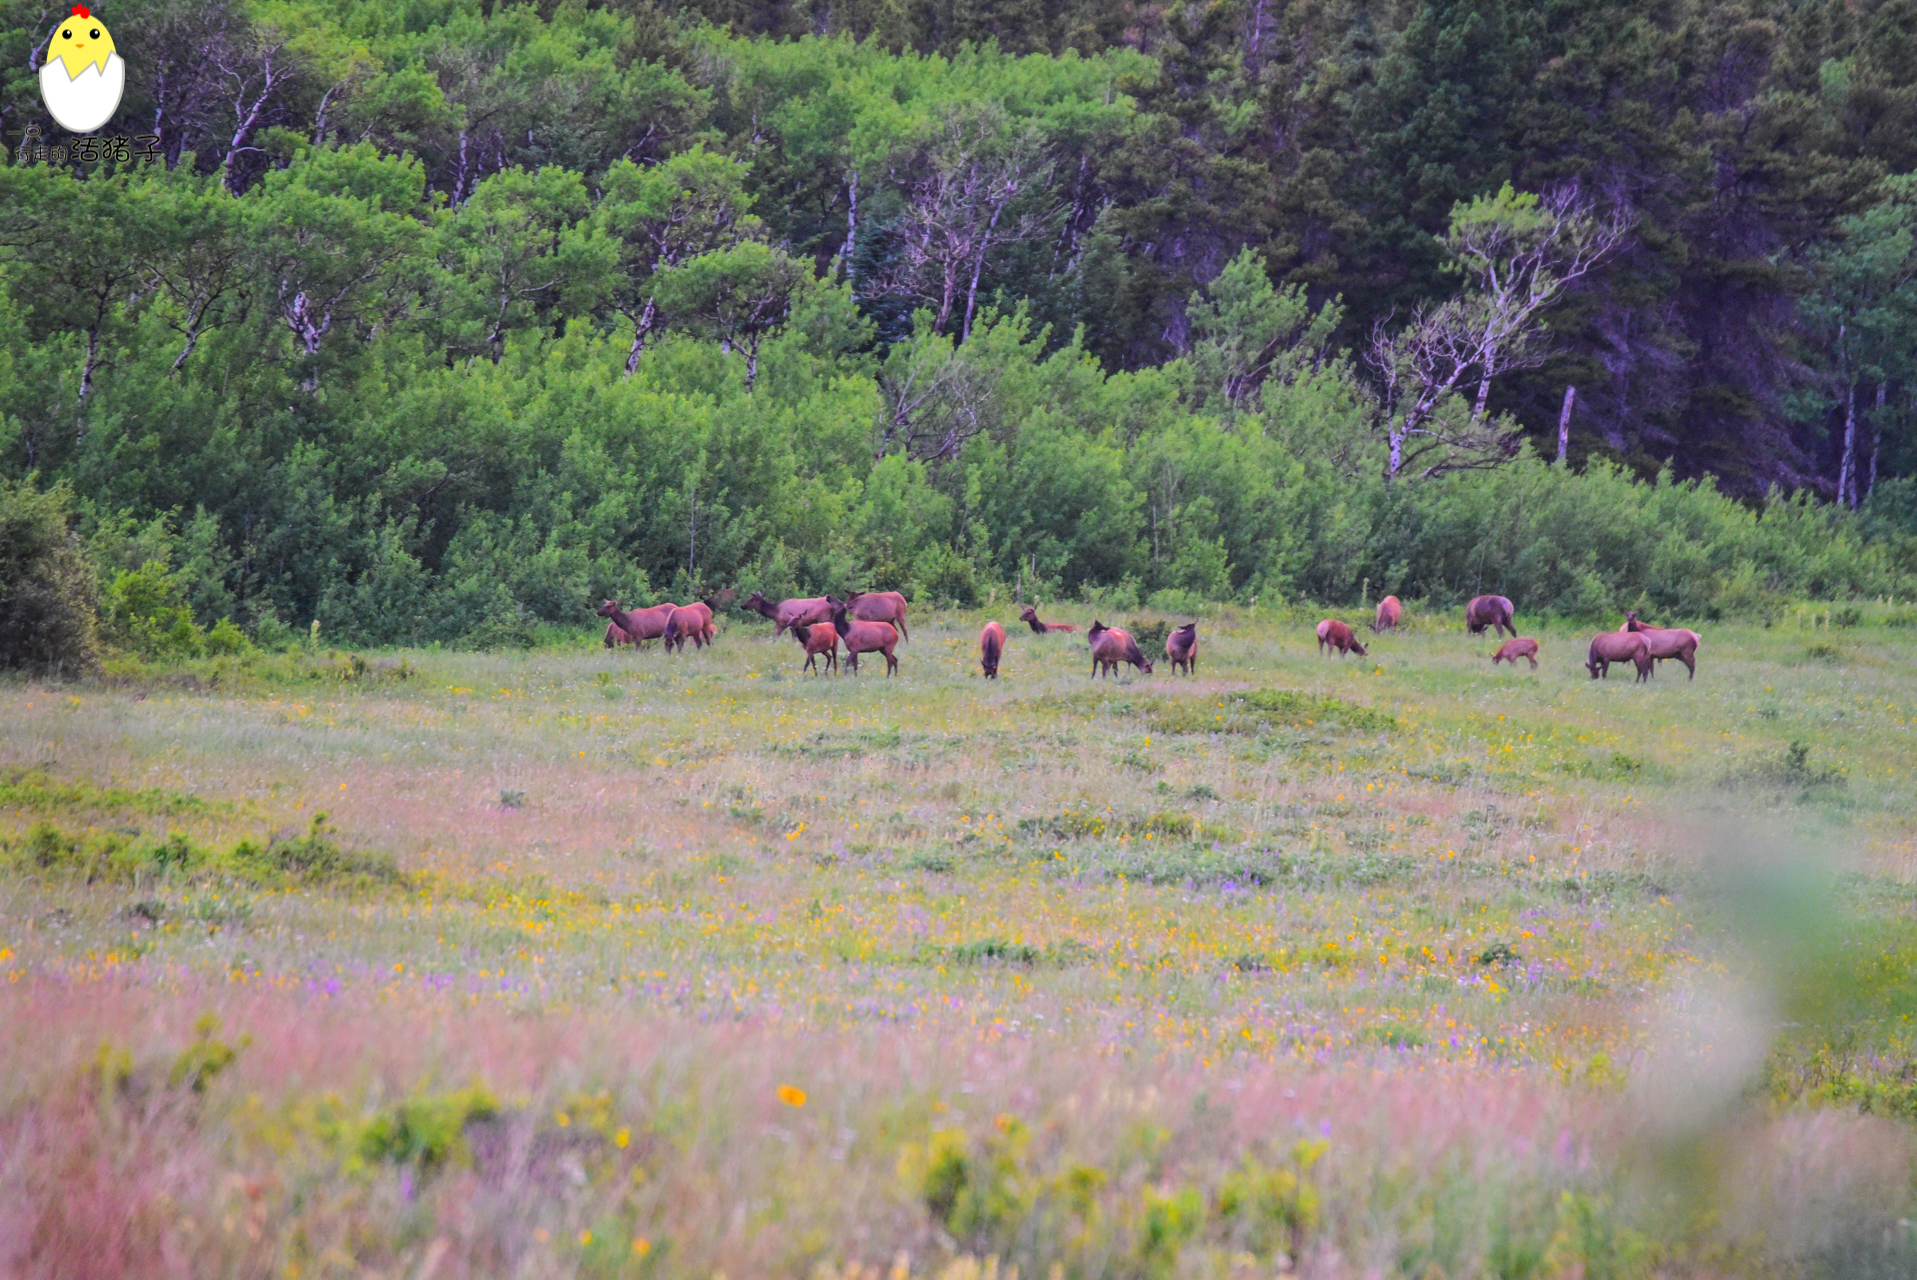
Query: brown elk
864, 637
1181, 646
1111, 646
991, 646
1333, 634
1666, 642
689, 621
616, 635
1040, 628
639, 624
818, 638
878, 606
1390, 614
1511, 650
1617, 646
791, 613
1492, 612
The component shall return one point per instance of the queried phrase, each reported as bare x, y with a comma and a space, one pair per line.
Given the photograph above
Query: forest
431, 320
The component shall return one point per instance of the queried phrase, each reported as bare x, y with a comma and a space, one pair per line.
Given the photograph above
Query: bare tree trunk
86, 377
752, 362
1847, 464
978, 265
640, 328
851, 227
1564, 423
1397, 450
1876, 440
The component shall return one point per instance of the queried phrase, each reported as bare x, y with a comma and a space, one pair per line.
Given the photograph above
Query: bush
49, 624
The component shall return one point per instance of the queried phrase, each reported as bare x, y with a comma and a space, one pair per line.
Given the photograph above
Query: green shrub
428, 1132
49, 623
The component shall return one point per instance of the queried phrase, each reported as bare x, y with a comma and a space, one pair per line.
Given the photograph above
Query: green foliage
48, 622
428, 1131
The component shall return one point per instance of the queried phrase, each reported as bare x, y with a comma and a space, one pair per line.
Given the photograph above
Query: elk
1390, 614
693, 621
1492, 612
1111, 646
640, 624
818, 638
1666, 642
1181, 646
1333, 634
1511, 650
1040, 628
864, 637
789, 613
878, 606
991, 646
1616, 646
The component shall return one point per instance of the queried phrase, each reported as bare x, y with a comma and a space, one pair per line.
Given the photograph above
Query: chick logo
82, 77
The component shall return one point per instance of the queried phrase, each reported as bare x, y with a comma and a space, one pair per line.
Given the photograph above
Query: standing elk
1040, 628
1666, 642
864, 637
991, 647
639, 624
1111, 646
689, 621
1490, 612
1333, 634
878, 606
1181, 646
1511, 650
818, 638
791, 613
1617, 646
1390, 614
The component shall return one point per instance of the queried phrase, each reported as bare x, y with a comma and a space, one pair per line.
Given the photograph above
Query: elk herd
865, 622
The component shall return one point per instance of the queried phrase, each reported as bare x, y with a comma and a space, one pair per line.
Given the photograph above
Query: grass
571, 963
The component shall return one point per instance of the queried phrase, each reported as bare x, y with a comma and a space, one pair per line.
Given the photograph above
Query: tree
737, 295
659, 216
1865, 313
1519, 254
49, 622
1245, 331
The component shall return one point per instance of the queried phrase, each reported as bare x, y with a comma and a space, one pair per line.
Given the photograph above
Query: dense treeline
437, 318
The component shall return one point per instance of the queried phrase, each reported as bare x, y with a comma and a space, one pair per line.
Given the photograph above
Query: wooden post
1564, 422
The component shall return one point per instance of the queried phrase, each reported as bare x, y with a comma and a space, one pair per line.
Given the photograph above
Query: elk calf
1511, 650
818, 638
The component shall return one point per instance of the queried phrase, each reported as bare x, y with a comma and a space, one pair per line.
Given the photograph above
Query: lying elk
1040, 628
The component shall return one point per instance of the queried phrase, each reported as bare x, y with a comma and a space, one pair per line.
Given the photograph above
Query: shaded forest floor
572, 962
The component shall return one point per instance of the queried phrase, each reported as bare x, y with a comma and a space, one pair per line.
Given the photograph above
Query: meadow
566, 962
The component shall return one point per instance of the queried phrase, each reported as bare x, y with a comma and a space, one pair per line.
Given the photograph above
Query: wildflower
791, 1096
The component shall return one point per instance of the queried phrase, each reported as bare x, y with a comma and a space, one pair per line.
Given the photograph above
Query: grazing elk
818, 638
791, 613
864, 637
1490, 612
991, 647
1666, 642
1181, 646
1333, 634
1390, 614
1111, 646
1617, 646
639, 624
1040, 628
878, 606
689, 621
1511, 650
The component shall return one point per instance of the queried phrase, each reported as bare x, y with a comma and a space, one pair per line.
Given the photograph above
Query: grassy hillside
580, 963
